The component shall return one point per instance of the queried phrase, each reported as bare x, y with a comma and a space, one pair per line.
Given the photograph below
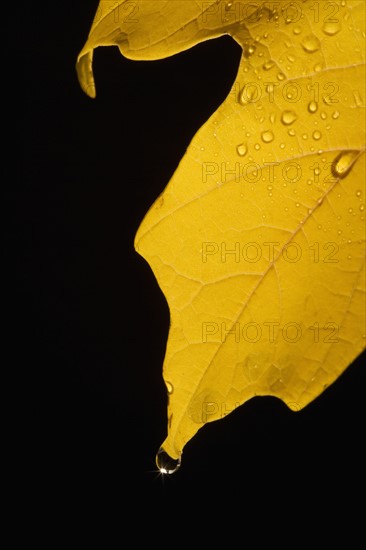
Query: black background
93, 321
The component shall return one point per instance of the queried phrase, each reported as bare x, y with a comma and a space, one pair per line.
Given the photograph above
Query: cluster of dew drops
343, 161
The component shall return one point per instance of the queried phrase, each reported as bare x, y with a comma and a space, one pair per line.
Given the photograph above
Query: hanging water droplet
228, 6
318, 67
323, 115
242, 149
165, 463
317, 135
169, 387
267, 136
282, 145
362, 207
331, 27
304, 136
288, 117
281, 76
343, 163
297, 30
312, 107
335, 115
291, 58
291, 132
272, 118
310, 43
257, 146
358, 193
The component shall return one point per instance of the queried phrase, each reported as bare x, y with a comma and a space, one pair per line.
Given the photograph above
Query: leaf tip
84, 69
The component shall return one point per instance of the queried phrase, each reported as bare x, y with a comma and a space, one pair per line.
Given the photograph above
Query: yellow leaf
258, 241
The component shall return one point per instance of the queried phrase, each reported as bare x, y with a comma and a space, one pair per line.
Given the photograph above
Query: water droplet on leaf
331, 27
312, 107
267, 136
242, 149
288, 117
248, 50
358, 99
310, 43
343, 163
